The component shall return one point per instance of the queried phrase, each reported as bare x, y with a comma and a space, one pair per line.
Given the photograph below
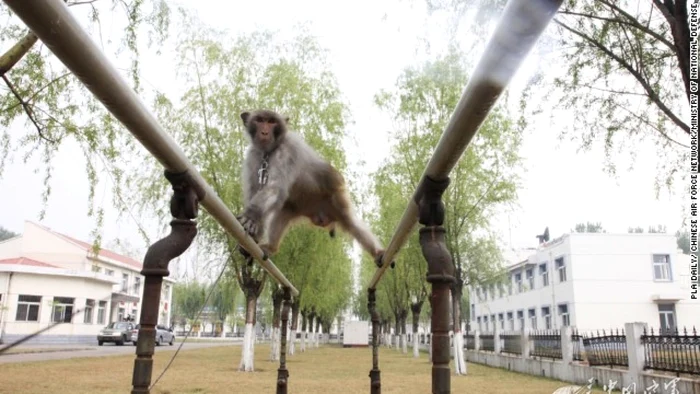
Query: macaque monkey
284, 180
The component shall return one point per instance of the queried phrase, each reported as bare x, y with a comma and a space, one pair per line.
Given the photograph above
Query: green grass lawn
328, 369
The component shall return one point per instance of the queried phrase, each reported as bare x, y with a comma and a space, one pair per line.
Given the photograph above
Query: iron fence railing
487, 342
470, 342
511, 343
672, 351
545, 344
577, 343
607, 348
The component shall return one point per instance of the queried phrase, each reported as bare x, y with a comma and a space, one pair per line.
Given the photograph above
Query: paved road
98, 351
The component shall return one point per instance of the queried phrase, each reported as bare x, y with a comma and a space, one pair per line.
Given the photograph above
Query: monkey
285, 180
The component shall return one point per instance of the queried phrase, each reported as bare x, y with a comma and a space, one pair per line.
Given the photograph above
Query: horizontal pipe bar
55, 25
522, 23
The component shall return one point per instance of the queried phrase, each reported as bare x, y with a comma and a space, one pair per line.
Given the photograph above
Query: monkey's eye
259, 119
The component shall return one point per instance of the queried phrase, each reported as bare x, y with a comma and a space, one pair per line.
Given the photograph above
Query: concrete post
497, 340
567, 347
635, 353
525, 343
477, 341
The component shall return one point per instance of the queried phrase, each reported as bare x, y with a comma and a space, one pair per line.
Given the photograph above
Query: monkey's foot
251, 222
243, 252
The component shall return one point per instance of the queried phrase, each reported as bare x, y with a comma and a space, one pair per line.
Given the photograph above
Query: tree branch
33, 96
677, 17
17, 52
27, 109
651, 93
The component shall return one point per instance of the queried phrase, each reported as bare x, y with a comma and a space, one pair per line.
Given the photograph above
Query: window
547, 317
125, 283
533, 318
544, 274
564, 314
511, 322
96, 268
662, 267
501, 321
133, 314
667, 316
530, 279
62, 310
137, 285
493, 322
109, 272
102, 306
486, 323
521, 320
478, 322
28, 308
519, 282
121, 314
87, 315
561, 268
473, 311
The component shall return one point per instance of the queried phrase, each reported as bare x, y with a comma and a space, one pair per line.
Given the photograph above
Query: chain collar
263, 172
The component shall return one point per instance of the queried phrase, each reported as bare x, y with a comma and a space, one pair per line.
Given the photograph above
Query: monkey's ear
244, 117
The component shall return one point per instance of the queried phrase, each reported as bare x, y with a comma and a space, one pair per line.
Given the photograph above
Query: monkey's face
265, 128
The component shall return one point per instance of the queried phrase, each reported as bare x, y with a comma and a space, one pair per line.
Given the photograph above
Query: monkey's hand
251, 220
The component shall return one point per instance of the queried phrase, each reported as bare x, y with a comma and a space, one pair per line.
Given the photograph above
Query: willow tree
484, 181
624, 74
222, 77
45, 107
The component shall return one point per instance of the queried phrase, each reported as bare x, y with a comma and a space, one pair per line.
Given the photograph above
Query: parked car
163, 335
118, 332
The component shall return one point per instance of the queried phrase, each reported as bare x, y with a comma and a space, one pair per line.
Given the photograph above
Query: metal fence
606, 348
487, 342
672, 351
577, 342
510, 343
545, 344
469, 342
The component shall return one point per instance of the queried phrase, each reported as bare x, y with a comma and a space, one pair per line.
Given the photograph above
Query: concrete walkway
67, 351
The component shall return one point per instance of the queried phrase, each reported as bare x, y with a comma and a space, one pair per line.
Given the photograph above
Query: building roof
26, 261
88, 248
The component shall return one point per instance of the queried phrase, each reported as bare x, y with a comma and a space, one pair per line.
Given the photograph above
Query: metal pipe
522, 23
55, 25
282, 372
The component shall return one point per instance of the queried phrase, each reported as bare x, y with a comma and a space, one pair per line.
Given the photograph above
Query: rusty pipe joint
429, 199
436, 254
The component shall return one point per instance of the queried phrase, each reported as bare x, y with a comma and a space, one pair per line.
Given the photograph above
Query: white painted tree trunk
416, 352
458, 344
430, 350
248, 349
275, 344
404, 343
302, 346
292, 338
318, 338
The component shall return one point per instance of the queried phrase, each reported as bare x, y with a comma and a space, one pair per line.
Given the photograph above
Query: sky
369, 43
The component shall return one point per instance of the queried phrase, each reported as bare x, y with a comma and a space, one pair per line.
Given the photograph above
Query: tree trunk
274, 333
458, 342
397, 331
415, 311
17, 52
248, 351
304, 322
252, 288
404, 339
295, 324
318, 332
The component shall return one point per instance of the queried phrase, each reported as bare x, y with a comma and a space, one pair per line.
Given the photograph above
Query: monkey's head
266, 128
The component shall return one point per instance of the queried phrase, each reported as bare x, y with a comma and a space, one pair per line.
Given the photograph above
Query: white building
591, 281
45, 276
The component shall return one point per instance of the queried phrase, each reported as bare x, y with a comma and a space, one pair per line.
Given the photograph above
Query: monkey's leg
362, 234
278, 226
